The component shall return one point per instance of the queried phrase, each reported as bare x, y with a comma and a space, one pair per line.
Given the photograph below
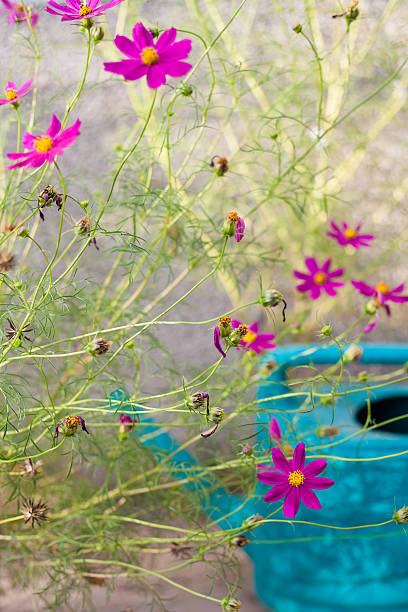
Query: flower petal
315, 467
318, 483
55, 127
292, 503
277, 493
309, 498
166, 39
142, 37
298, 460
280, 461
127, 47
272, 478
155, 77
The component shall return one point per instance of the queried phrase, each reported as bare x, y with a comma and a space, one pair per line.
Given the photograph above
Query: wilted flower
217, 340
350, 235
182, 550
84, 226
252, 521
69, 426
150, 59
327, 431
401, 516
31, 469
12, 332
199, 400
215, 416
239, 541
351, 14
34, 512
272, 298
7, 261
318, 279
79, 9
221, 165
99, 346
234, 226
252, 340
380, 294
230, 604
45, 147
13, 94
294, 481
15, 13
46, 198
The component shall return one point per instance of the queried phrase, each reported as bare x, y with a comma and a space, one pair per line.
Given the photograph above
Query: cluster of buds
271, 298
84, 226
99, 346
401, 516
231, 336
199, 401
34, 512
327, 431
220, 164
47, 197
353, 353
230, 604
351, 14
69, 426
215, 416
234, 225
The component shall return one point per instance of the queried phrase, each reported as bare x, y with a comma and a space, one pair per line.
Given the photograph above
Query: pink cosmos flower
349, 235
294, 480
147, 58
46, 147
253, 340
318, 279
76, 9
381, 294
13, 94
16, 13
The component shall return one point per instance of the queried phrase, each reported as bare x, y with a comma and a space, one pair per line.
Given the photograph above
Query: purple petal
298, 460
165, 39
28, 140
292, 503
280, 461
309, 498
272, 478
314, 482
178, 51
240, 229
312, 265
68, 136
275, 430
217, 341
363, 288
277, 493
142, 37
301, 275
54, 128
127, 47
175, 69
155, 77
314, 467
326, 265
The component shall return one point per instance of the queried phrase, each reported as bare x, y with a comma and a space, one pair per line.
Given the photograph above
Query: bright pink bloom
76, 9
46, 147
13, 94
294, 480
349, 235
16, 13
381, 294
253, 340
126, 422
147, 58
239, 230
318, 279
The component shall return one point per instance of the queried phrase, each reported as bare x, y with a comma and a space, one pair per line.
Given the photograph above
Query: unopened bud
129, 344
327, 431
371, 307
401, 516
327, 400
353, 353
270, 298
247, 450
230, 223
225, 326
297, 28
154, 31
97, 33
326, 330
186, 90
237, 334
363, 375
86, 24
84, 204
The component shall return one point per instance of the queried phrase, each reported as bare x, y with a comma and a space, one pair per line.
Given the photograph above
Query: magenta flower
318, 278
13, 94
76, 9
381, 294
46, 147
253, 340
275, 431
240, 229
349, 235
294, 480
126, 422
16, 13
147, 58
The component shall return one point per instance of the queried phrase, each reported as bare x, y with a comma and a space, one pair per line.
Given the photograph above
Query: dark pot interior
385, 409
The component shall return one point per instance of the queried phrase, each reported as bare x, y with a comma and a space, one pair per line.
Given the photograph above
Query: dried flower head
7, 261
84, 226
181, 550
215, 416
271, 298
31, 469
99, 346
353, 353
221, 165
12, 332
34, 512
401, 516
327, 431
247, 450
239, 541
198, 401
230, 604
47, 197
69, 426
252, 521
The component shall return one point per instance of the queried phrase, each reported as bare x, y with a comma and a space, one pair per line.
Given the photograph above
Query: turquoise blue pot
303, 568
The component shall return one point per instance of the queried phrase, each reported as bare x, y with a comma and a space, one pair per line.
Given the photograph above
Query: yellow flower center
72, 421
382, 287
350, 232
43, 144
149, 56
85, 10
20, 8
11, 94
320, 278
296, 478
233, 215
249, 337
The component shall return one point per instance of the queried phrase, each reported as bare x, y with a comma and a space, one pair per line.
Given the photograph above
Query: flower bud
221, 165
352, 13
327, 400
186, 90
353, 353
270, 298
297, 28
401, 516
326, 330
327, 431
252, 521
126, 424
230, 223
130, 344
371, 307
363, 375
230, 604
239, 541
247, 450
97, 33
225, 326
99, 346
84, 204
86, 24
237, 335
216, 415
154, 31
23, 232
268, 368
287, 450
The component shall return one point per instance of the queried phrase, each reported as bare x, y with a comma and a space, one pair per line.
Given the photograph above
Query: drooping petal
217, 341
280, 461
309, 498
240, 228
292, 503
